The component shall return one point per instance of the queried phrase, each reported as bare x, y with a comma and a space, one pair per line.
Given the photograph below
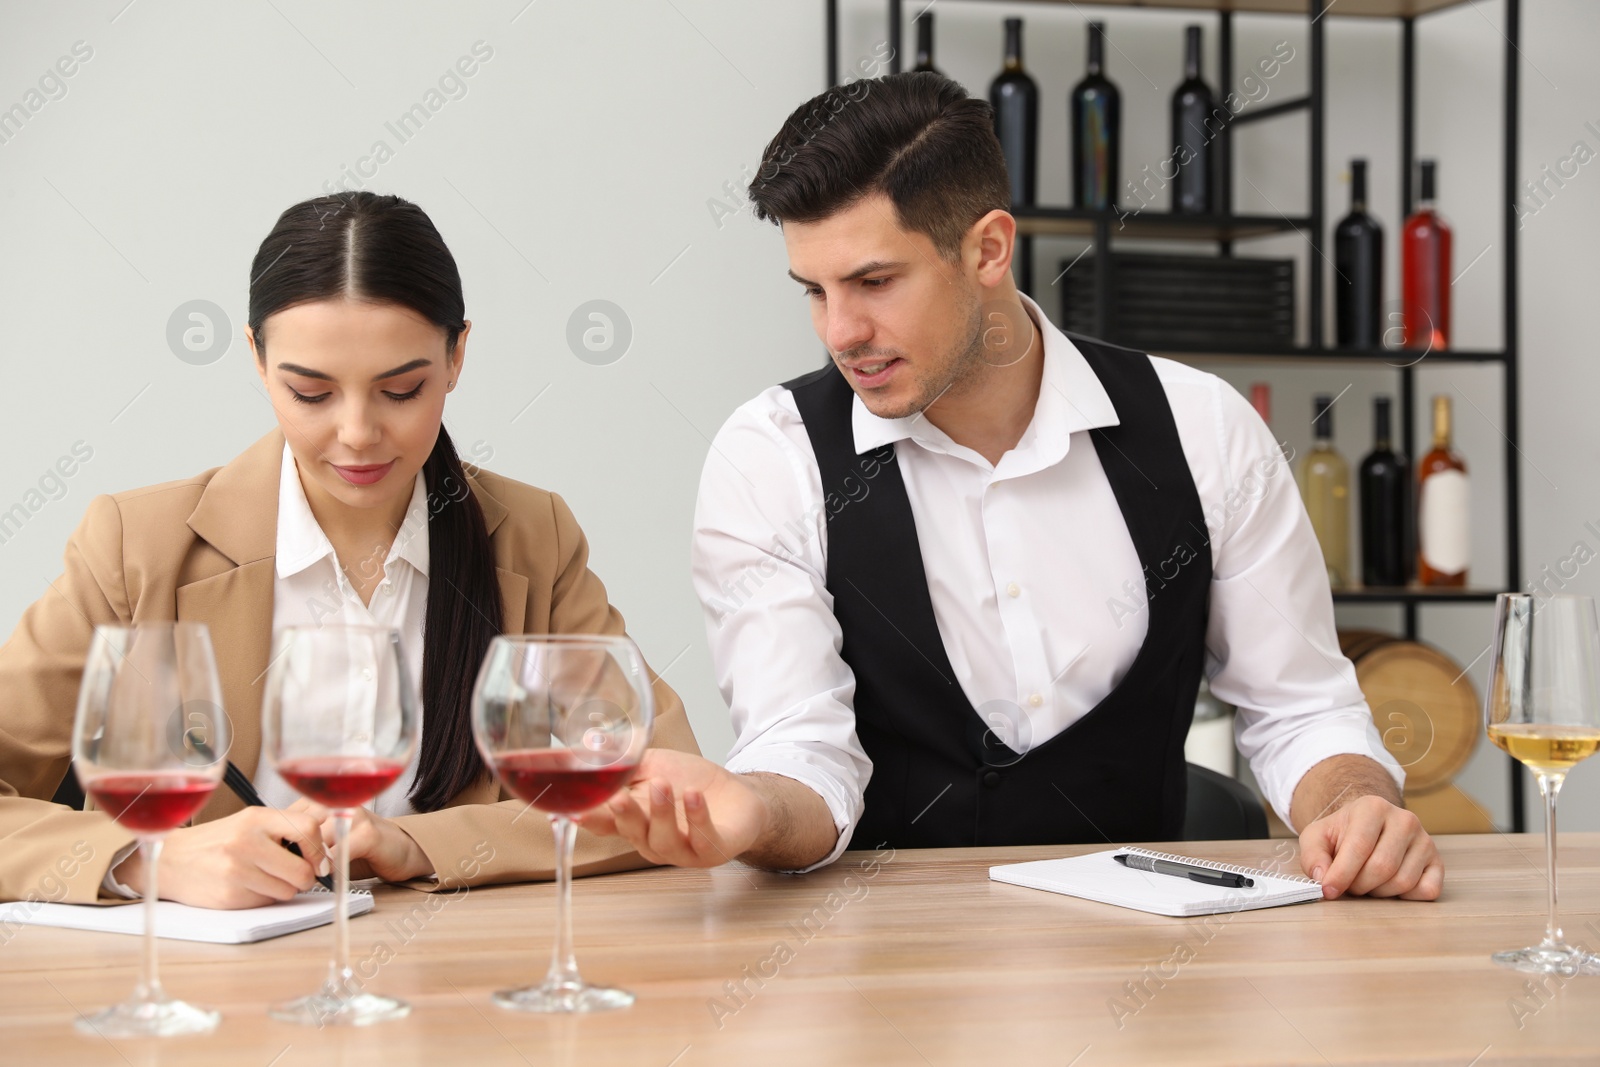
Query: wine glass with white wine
1543, 707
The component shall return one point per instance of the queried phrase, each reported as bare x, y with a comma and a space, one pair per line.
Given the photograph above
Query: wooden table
916, 958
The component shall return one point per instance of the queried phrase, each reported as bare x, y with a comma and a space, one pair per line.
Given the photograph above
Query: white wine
1545, 748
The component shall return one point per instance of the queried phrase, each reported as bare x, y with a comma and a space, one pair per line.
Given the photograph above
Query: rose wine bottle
1015, 98
1096, 107
1325, 488
925, 43
1193, 107
1425, 272
1443, 496
1385, 506
1358, 270
1261, 400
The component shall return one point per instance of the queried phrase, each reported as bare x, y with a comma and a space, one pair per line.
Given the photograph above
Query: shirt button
366, 674
1014, 590
387, 587
1035, 700
992, 778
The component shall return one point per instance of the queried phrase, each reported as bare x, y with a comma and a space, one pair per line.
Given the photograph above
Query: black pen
1226, 879
235, 780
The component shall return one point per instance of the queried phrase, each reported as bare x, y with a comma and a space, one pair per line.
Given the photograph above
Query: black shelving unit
1102, 227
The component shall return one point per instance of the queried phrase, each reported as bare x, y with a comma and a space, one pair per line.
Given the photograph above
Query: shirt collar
302, 543
1071, 398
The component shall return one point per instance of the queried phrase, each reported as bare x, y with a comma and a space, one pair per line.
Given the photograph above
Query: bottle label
1443, 523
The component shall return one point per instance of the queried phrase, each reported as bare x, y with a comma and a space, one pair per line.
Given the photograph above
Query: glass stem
149, 989
563, 966
1549, 786
341, 980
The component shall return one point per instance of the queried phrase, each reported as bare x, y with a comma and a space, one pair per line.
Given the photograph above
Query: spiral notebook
1098, 877
183, 922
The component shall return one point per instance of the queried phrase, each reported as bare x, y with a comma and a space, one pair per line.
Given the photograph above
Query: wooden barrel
1422, 702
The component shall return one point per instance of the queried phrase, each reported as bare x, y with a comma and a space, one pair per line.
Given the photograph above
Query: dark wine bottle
1096, 108
925, 43
1195, 122
1015, 99
1358, 270
1385, 506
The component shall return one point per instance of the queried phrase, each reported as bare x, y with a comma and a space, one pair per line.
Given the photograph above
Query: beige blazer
203, 549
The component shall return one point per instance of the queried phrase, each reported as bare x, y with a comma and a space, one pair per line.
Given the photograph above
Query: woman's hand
378, 847
234, 862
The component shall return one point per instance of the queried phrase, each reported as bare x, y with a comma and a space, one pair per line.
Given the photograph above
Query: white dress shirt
311, 589
1036, 586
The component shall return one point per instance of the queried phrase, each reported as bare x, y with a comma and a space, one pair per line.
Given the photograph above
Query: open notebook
1098, 877
186, 923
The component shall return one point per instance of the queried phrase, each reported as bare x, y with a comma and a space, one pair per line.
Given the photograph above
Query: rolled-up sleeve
759, 565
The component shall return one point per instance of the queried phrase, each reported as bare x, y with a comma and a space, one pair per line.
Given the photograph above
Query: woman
355, 509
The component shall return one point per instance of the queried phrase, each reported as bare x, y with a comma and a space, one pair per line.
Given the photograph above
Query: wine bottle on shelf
1015, 98
925, 43
1261, 400
1096, 108
1425, 272
1325, 488
1443, 497
1193, 108
1385, 506
1358, 270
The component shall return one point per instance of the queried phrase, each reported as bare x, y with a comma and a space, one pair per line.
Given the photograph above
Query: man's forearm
1337, 780
800, 829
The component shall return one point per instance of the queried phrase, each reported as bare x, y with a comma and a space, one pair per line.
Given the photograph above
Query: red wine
1358, 270
1385, 507
1195, 121
1096, 107
151, 802
1015, 98
554, 780
340, 781
1425, 272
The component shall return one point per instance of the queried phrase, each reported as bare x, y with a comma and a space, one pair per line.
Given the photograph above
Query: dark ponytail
385, 250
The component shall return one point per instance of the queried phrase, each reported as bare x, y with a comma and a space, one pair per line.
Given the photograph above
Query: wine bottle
1425, 272
1015, 98
925, 43
1261, 400
1096, 108
1358, 269
1385, 506
1325, 488
1193, 107
1443, 496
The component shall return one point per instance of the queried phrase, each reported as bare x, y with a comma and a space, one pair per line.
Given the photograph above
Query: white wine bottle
1325, 488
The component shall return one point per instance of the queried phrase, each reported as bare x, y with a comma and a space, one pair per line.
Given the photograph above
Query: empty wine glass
1543, 707
563, 720
150, 744
339, 723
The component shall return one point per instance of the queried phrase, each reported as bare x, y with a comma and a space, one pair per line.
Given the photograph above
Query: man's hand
1358, 838
234, 862
690, 812
378, 847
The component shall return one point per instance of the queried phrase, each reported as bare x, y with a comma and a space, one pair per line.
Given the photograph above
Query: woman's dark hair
916, 137
385, 250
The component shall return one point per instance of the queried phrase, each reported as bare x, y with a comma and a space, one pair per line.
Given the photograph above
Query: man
961, 584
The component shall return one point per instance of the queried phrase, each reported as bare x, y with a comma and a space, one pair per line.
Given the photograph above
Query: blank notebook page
233, 926
1098, 877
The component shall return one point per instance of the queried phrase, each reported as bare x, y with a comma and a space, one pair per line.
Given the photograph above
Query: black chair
1221, 808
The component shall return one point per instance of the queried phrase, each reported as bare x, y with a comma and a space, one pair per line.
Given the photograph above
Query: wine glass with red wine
563, 720
339, 722
149, 745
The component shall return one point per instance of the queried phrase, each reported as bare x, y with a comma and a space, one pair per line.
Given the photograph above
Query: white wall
578, 166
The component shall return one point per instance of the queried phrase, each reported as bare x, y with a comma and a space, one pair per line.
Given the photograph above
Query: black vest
941, 776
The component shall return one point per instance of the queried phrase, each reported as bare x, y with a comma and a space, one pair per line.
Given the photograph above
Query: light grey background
580, 162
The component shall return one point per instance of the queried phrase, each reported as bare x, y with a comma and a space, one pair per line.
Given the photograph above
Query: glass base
326, 1009
1550, 959
564, 997
149, 1018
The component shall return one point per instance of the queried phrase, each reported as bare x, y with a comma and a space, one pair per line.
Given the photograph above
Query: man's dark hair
917, 137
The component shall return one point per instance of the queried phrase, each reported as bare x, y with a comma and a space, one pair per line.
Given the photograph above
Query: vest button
992, 778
